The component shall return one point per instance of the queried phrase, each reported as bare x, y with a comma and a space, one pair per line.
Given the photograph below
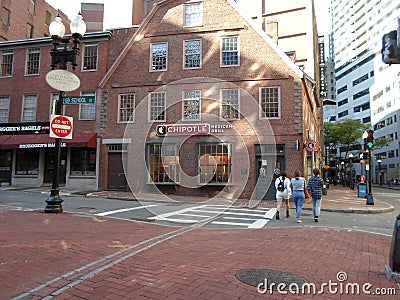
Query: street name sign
79, 100
61, 127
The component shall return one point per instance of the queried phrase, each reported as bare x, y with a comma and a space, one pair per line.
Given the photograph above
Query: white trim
220, 50
97, 57
279, 103
132, 118
184, 54
222, 102
149, 106
151, 57
116, 141
183, 105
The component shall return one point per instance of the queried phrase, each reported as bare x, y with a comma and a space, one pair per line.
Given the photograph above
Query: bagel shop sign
24, 128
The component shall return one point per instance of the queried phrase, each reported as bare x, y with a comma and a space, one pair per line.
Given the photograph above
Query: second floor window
230, 51
6, 61
4, 108
126, 108
89, 58
5, 16
270, 102
191, 105
87, 111
230, 104
159, 54
192, 54
157, 106
193, 14
32, 61
29, 108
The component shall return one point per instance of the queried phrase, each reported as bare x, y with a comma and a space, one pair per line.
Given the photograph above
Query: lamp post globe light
59, 60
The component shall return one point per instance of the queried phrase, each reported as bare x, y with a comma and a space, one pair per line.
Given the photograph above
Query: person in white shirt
283, 192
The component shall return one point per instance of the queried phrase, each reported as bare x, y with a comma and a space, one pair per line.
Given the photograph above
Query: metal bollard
394, 258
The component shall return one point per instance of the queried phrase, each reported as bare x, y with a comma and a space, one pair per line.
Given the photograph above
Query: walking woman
282, 185
298, 184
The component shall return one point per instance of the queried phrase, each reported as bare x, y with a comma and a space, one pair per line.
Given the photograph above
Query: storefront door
116, 174
49, 163
5, 166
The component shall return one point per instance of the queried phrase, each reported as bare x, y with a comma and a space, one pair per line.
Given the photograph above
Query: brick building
202, 101
27, 102
24, 19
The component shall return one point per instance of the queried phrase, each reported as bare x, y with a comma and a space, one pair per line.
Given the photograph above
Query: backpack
281, 186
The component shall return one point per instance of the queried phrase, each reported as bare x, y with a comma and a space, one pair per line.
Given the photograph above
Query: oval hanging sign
63, 80
311, 146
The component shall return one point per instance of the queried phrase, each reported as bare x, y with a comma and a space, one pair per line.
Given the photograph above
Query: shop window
163, 163
6, 61
32, 61
230, 104
191, 105
215, 163
192, 53
126, 108
83, 161
157, 106
193, 14
29, 108
230, 51
27, 162
159, 54
270, 98
4, 108
87, 111
89, 57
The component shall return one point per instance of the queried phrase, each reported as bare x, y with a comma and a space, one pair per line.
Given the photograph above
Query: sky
120, 15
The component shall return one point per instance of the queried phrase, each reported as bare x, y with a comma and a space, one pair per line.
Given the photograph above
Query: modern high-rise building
364, 89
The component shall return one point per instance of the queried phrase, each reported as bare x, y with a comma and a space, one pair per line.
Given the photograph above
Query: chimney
137, 12
93, 15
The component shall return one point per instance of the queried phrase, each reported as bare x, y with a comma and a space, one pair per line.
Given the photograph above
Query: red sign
183, 129
61, 127
311, 146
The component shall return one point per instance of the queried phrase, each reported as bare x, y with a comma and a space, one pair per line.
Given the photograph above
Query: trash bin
362, 190
394, 258
324, 190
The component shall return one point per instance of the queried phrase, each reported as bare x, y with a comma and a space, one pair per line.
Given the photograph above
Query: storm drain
269, 279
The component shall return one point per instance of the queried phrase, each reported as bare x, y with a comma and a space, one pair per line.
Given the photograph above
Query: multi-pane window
192, 54
89, 57
193, 14
163, 163
159, 54
6, 62
230, 104
270, 102
29, 108
191, 105
126, 108
4, 108
87, 111
157, 106
32, 61
230, 51
215, 163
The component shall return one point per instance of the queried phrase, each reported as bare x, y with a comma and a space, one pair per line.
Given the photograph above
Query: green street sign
79, 100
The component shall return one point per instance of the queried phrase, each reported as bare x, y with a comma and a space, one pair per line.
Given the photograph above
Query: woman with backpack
282, 185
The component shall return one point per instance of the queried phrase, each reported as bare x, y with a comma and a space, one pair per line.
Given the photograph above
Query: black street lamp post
59, 60
379, 171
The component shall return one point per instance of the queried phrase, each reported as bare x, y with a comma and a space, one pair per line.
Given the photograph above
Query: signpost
61, 127
79, 100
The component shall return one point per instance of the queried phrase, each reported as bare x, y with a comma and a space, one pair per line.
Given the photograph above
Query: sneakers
287, 214
316, 219
299, 221
277, 215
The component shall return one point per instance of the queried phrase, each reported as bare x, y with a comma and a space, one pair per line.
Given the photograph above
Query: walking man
314, 185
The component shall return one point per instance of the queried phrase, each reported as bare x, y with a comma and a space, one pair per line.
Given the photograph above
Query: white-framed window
29, 108
230, 55
157, 106
87, 111
270, 98
163, 163
4, 108
53, 104
191, 105
194, 14
215, 163
32, 65
126, 108
90, 57
192, 54
159, 56
6, 63
230, 104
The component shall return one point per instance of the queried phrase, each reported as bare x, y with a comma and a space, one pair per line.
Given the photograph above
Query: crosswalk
220, 215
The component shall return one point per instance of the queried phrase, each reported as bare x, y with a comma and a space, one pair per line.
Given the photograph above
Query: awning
34, 141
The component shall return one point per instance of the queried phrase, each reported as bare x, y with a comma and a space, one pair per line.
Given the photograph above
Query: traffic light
370, 139
390, 50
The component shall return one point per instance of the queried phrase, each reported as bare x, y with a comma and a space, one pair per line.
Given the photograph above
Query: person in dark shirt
314, 185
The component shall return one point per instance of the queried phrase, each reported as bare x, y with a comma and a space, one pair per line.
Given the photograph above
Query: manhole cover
271, 278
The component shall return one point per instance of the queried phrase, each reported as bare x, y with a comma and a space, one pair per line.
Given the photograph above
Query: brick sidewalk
73, 256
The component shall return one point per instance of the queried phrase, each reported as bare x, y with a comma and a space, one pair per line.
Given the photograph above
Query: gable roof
138, 35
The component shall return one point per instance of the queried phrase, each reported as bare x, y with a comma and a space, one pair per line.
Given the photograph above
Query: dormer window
193, 14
